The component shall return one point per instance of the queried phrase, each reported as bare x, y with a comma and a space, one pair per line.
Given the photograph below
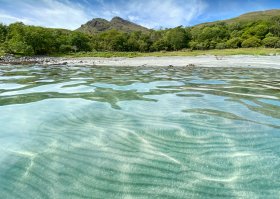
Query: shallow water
92, 132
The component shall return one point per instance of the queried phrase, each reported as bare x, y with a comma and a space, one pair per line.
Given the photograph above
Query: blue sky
71, 14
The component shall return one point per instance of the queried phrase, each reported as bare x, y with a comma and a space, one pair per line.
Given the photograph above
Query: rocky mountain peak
98, 25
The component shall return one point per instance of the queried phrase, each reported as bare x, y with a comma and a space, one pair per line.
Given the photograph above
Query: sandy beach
173, 61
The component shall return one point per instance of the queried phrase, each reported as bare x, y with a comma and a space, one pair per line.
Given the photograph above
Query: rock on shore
13, 60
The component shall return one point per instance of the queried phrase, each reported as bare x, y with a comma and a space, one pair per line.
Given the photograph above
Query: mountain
98, 25
249, 17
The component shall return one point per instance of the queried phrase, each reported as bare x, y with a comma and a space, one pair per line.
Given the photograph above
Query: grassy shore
224, 52
2, 53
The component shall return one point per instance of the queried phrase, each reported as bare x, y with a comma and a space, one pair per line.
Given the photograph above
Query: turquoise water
107, 132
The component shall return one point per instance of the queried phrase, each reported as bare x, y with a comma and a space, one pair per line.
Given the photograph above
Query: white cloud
71, 14
49, 13
7, 19
155, 13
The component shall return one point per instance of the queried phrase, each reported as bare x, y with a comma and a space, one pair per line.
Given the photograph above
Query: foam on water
92, 132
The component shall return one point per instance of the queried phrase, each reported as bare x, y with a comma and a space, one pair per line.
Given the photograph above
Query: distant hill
251, 16
98, 25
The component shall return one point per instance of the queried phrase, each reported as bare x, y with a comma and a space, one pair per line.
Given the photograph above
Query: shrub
234, 43
211, 44
193, 45
18, 47
269, 35
251, 42
199, 45
65, 48
277, 45
271, 42
221, 46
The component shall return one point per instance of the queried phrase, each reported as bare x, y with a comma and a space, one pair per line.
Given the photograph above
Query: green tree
157, 40
275, 26
19, 47
3, 33
234, 43
159, 45
40, 39
216, 33
177, 38
236, 33
221, 45
65, 48
79, 41
132, 42
271, 42
251, 42
261, 30
15, 42
111, 40
193, 45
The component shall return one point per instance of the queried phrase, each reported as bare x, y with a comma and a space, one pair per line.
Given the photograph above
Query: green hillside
252, 30
249, 17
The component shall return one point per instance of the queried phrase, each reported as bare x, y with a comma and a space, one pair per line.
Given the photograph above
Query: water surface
136, 132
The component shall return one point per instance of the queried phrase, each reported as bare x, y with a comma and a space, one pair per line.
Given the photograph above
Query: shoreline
171, 61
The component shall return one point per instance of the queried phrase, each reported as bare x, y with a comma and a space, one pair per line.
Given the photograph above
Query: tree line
18, 38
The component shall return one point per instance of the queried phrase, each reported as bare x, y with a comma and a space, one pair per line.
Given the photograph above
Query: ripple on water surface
92, 132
